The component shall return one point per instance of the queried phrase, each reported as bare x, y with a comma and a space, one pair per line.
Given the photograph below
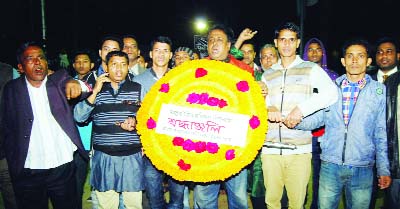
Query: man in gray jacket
355, 134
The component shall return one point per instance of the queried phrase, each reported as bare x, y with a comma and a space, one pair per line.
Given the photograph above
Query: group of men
42, 144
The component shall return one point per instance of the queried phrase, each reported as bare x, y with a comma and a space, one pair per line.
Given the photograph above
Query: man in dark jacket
7, 192
40, 135
392, 199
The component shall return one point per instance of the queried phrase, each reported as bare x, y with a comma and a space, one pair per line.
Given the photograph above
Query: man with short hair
107, 44
269, 55
83, 64
206, 195
355, 134
296, 88
181, 55
160, 54
131, 47
40, 135
387, 58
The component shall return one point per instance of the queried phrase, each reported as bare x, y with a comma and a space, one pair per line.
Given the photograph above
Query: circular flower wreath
205, 85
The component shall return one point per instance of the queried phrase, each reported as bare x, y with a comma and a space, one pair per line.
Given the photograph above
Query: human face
161, 54
248, 53
356, 62
117, 68
386, 56
268, 57
141, 61
314, 53
218, 45
82, 65
181, 57
131, 48
34, 65
108, 46
287, 43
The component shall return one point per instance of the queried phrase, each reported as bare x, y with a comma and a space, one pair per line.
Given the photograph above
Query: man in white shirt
40, 135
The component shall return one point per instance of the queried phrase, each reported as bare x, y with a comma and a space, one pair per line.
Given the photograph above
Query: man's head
387, 54
33, 62
287, 39
249, 53
161, 51
141, 61
182, 54
219, 39
269, 55
108, 44
131, 47
314, 51
356, 58
117, 66
82, 62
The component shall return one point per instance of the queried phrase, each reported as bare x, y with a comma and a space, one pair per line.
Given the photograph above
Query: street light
201, 24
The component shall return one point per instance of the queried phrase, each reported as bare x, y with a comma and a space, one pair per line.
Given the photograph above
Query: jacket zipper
282, 93
344, 145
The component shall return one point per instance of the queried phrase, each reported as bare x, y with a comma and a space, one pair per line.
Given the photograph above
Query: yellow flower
222, 82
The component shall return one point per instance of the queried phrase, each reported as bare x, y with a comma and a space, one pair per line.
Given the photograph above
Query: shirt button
31, 120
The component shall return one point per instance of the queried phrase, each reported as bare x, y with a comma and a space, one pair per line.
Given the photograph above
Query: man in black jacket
392, 199
6, 189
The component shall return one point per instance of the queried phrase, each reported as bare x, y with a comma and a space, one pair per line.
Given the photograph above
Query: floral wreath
203, 85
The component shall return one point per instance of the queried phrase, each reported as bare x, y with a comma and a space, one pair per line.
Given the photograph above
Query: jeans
392, 195
176, 193
186, 196
81, 166
206, 196
357, 182
316, 163
153, 185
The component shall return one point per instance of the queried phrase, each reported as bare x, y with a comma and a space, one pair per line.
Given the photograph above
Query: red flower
151, 123
212, 101
183, 166
230, 154
164, 88
200, 72
242, 86
254, 122
193, 98
178, 141
222, 103
188, 145
212, 147
200, 147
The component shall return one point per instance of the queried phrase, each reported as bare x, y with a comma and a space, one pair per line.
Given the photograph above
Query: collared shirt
49, 145
350, 94
380, 74
134, 70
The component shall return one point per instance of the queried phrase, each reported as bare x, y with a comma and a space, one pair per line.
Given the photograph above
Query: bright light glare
201, 25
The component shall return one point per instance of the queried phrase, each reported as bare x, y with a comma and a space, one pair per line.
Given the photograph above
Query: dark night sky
80, 23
